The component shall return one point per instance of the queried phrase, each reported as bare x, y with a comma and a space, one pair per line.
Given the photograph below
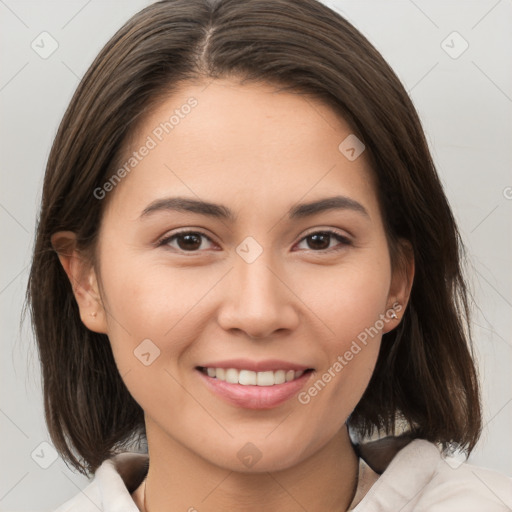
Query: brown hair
425, 372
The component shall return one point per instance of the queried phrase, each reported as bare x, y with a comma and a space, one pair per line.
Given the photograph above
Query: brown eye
187, 241
320, 240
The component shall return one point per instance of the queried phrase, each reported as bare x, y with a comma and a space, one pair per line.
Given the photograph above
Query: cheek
156, 314
350, 298
148, 299
147, 312
351, 303
337, 386
142, 310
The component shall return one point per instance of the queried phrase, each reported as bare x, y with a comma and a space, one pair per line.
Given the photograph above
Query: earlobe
401, 285
82, 276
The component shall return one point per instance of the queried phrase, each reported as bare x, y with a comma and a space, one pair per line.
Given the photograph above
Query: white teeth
279, 377
247, 378
265, 379
250, 378
232, 376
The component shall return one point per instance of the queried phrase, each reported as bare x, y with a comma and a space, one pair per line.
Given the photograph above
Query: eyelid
165, 238
343, 240
334, 231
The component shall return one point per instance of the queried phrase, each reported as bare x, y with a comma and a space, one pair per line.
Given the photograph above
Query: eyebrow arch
222, 212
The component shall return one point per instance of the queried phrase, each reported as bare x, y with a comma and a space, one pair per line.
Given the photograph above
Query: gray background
465, 104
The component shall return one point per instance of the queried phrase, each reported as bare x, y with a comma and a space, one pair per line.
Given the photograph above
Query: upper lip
256, 366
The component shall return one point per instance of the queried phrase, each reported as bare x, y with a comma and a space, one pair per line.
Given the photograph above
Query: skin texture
259, 153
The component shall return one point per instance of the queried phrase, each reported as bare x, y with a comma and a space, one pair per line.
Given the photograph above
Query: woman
245, 258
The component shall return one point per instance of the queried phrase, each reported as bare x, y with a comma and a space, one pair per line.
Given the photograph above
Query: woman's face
256, 285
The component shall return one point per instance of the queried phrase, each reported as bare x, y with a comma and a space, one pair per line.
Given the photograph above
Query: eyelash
341, 238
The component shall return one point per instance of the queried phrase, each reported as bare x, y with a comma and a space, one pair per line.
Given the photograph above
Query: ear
401, 285
82, 277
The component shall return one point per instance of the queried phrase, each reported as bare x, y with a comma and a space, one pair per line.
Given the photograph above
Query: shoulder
110, 490
462, 486
419, 479
89, 498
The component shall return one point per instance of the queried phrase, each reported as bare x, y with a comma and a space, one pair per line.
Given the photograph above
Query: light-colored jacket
417, 479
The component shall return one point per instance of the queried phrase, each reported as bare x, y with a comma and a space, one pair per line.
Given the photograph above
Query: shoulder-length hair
425, 372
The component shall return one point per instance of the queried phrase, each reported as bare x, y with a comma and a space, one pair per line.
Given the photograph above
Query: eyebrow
184, 204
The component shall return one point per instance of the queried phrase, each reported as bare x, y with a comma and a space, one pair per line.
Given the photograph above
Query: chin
261, 455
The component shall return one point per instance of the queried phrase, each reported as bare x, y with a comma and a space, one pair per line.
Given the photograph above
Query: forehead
248, 142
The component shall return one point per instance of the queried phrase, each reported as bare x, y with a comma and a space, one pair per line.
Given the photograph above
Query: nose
258, 299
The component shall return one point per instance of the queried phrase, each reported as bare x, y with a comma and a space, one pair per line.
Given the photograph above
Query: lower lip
255, 397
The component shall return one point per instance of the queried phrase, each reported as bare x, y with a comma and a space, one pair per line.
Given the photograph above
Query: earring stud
393, 314
93, 314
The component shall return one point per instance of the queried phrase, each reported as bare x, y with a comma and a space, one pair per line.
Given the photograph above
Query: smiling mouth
250, 378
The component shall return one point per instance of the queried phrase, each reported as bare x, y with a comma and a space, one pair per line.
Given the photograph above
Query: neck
179, 479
